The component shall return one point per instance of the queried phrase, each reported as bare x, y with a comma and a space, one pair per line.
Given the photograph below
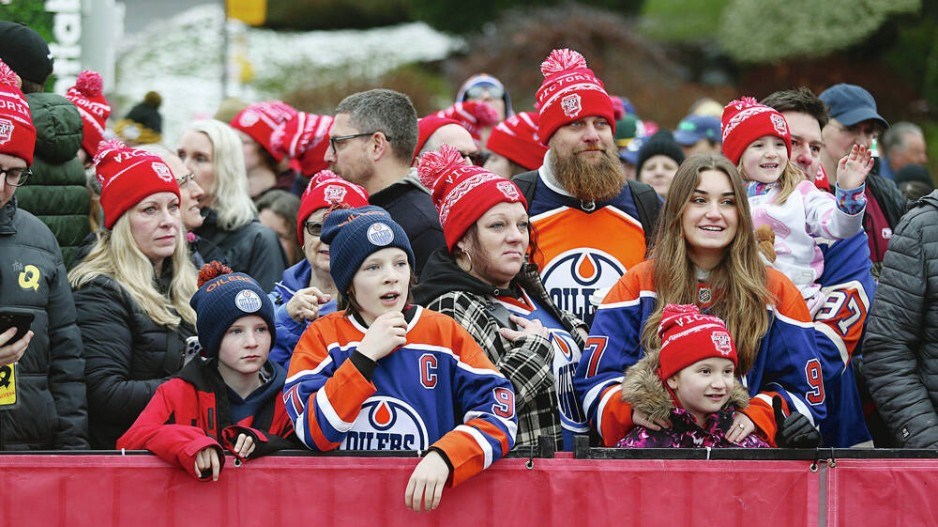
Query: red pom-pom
435, 164
90, 83
212, 270
618, 108
744, 102
106, 146
562, 60
7, 76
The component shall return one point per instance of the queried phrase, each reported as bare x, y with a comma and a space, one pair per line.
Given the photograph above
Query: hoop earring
468, 257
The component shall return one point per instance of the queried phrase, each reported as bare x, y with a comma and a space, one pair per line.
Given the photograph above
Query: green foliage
31, 13
763, 31
681, 20
305, 15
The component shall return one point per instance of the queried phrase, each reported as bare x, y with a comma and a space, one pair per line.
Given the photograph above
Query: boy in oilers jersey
382, 374
591, 226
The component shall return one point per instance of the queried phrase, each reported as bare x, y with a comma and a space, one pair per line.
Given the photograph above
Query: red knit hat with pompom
305, 138
517, 139
570, 91
127, 176
745, 120
688, 336
259, 120
462, 193
17, 133
324, 190
88, 96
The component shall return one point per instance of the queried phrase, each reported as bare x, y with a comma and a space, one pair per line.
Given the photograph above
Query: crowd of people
466, 283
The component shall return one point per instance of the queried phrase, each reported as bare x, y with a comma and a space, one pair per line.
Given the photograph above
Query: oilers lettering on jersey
387, 423
580, 253
438, 390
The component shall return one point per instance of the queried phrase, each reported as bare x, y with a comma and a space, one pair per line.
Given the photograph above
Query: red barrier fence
143, 491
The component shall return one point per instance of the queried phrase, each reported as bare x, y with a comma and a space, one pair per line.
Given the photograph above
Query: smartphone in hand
11, 317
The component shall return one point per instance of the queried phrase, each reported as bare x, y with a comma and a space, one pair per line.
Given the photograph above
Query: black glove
795, 430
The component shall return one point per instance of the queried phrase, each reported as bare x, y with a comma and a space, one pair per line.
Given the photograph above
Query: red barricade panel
883, 492
143, 491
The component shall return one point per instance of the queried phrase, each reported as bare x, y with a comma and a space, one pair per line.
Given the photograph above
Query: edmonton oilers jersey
438, 390
566, 357
582, 251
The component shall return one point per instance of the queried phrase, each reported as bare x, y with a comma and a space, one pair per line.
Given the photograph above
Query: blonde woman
231, 232
132, 290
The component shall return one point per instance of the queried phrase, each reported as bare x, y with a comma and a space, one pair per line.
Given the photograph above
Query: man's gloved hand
795, 430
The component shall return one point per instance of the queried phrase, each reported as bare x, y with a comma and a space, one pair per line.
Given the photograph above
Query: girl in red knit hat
757, 139
691, 382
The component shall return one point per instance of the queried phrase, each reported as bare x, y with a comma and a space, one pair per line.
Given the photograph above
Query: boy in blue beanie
231, 394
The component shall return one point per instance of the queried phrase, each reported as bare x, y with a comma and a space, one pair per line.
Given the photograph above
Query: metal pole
224, 51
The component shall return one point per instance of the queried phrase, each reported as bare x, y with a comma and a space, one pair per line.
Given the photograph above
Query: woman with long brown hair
705, 254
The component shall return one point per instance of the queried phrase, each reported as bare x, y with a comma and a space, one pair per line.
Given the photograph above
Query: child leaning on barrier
229, 398
691, 383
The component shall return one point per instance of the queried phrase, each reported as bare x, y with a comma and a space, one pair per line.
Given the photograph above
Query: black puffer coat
52, 410
901, 346
252, 249
127, 355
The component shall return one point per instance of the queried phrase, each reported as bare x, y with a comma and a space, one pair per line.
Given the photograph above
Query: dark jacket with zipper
127, 355
252, 249
51, 411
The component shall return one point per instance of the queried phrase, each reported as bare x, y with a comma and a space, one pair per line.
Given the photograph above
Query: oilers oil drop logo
387, 423
573, 276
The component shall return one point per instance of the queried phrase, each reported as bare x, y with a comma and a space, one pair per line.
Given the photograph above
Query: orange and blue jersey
583, 248
787, 362
437, 391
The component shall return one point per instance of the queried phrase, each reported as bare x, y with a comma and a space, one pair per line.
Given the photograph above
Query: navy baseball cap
693, 128
851, 104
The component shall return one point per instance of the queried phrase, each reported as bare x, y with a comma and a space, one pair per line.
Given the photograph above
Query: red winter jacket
190, 412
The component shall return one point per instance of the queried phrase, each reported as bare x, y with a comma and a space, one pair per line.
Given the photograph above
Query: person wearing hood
486, 88
227, 399
307, 291
690, 382
482, 279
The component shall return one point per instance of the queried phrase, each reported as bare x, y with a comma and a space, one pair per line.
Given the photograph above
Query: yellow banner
7, 386
251, 12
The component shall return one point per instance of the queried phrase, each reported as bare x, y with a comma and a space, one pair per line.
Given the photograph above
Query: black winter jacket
901, 347
409, 204
252, 249
52, 408
127, 355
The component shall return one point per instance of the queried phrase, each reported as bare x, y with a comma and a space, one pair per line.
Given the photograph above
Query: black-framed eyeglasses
334, 141
16, 177
313, 228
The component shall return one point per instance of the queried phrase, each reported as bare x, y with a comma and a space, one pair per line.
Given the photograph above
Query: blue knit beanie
354, 234
223, 300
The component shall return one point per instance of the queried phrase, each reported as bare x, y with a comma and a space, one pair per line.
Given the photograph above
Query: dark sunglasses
479, 90
313, 228
478, 159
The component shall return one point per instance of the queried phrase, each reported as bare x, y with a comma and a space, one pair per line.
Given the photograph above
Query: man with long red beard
591, 224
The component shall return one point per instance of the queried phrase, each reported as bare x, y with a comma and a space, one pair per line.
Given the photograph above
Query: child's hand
244, 446
387, 333
853, 168
207, 462
426, 483
741, 428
